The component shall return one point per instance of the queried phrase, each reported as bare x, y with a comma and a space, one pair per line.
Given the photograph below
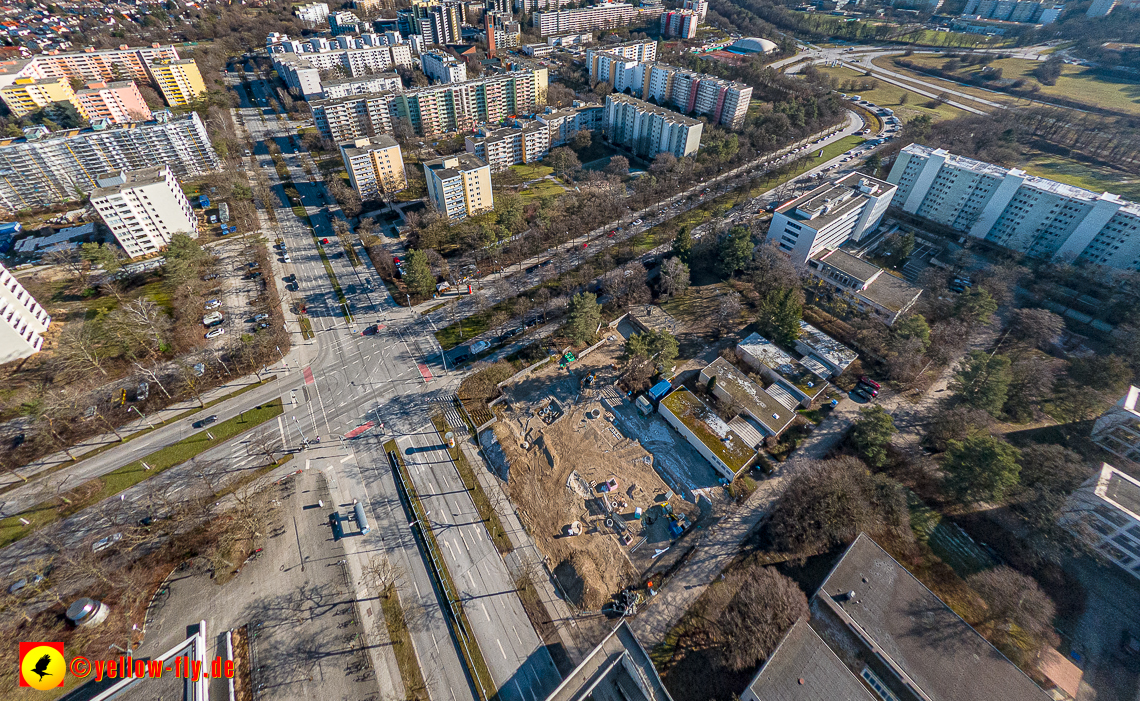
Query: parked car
206, 421
461, 358
213, 304
324, 242
211, 276
479, 346
215, 333
868, 381
104, 543
868, 390
286, 259
142, 391
371, 330
260, 317
199, 369
637, 222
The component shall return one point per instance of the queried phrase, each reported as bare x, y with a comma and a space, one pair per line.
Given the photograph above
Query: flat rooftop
128, 180
803, 668
652, 317
915, 633
825, 346
810, 381
451, 166
712, 430
762, 406
372, 143
1120, 489
846, 263
891, 293
618, 669
669, 114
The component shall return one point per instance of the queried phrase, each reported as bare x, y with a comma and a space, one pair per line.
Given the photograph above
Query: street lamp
144, 418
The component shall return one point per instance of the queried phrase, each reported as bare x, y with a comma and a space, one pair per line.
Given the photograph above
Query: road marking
309, 375
307, 461
505, 657
484, 609
424, 371
345, 459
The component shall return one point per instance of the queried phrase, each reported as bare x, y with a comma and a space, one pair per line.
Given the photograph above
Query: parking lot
238, 293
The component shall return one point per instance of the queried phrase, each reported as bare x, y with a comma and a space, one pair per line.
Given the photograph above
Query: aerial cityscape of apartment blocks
648, 129
90, 65
120, 102
436, 109
302, 71
725, 102
144, 208
22, 320
1005, 206
375, 166
45, 168
459, 186
681, 24
604, 16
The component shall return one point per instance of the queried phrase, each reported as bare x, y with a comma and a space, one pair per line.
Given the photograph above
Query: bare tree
81, 348
1019, 614
767, 604
151, 371
190, 382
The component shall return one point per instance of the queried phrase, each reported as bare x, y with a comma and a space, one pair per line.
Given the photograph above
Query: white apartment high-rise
22, 320
680, 23
525, 141
604, 16
313, 13
443, 68
143, 209
375, 166
701, 7
648, 130
829, 215
459, 186
1008, 207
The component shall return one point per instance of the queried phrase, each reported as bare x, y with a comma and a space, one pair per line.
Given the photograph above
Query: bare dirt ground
562, 444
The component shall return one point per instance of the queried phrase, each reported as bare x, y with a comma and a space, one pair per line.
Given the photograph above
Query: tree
618, 165
983, 381
772, 270
767, 604
1019, 615
830, 502
583, 318
1032, 375
105, 256
659, 346
1036, 327
976, 306
728, 311
403, 131
582, 140
956, 424
904, 97
81, 348
1052, 467
683, 246
1050, 70
1101, 373
981, 468
418, 276
913, 326
734, 250
564, 161
185, 259
674, 277
780, 315
871, 435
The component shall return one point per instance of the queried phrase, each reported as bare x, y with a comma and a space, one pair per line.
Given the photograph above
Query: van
361, 518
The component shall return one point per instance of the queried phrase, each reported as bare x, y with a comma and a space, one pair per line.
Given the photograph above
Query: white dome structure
753, 45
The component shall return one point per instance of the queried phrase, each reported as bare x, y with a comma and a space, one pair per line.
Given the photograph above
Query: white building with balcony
22, 320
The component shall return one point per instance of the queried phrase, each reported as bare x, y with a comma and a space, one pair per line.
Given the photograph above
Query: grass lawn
539, 190
1076, 83
532, 171
887, 95
1090, 177
110, 484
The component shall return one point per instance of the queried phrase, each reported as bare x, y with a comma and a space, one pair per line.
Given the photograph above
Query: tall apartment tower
179, 81
437, 22
701, 7
22, 320
375, 166
680, 23
144, 208
459, 186
443, 68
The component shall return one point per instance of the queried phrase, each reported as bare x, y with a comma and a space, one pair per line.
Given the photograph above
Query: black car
461, 358
370, 330
206, 421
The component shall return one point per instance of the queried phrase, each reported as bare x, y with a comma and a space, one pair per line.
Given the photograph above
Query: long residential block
433, 110
1008, 207
89, 65
45, 168
119, 102
648, 130
302, 71
725, 102
603, 16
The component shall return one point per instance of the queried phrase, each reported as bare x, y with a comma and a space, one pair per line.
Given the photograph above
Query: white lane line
281, 427
345, 459
485, 611
505, 657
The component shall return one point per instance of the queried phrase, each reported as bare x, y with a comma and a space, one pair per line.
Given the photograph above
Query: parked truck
203, 201
223, 212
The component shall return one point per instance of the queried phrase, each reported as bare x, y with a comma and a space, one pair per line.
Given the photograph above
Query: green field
96, 490
539, 190
887, 95
532, 171
1076, 83
1090, 177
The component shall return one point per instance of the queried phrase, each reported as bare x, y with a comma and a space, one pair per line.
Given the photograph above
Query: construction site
590, 495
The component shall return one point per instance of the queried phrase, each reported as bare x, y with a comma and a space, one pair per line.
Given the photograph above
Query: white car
104, 543
215, 333
637, 222
479, 346
286, 258
213, 304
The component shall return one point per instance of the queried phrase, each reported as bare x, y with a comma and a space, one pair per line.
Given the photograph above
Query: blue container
659, 390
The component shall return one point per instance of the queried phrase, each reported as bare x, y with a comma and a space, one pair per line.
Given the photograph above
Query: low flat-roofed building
1105, 512
618, 669
805, 381
64, 239
1118, 429
895, 634
709, 434
873, 289
824, 349
650, 317
803, 668
758, 410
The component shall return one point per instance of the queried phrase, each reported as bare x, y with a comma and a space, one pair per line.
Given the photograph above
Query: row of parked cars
866, 389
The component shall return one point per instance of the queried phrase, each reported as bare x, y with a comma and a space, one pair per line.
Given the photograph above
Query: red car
586, 245
396, 260
324, 241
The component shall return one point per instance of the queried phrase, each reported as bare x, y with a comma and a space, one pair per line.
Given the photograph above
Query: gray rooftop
803, 668
116, 182
825, 345
891, 292
1121, 489
373, 143
830, 201
672, 116
762, 406
915, 633
618, 669
849, 264
451, 166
